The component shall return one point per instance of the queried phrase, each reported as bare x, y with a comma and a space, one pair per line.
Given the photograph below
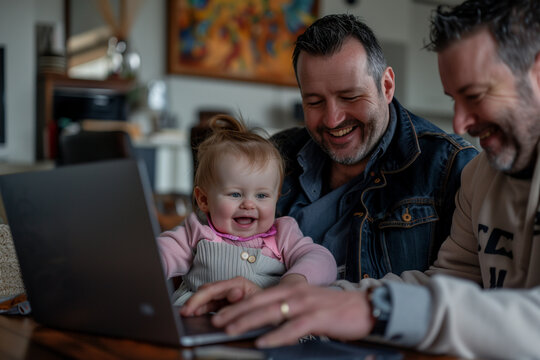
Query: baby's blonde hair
231, 137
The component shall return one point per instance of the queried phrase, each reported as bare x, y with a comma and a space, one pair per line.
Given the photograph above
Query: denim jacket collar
396, 152
404, 147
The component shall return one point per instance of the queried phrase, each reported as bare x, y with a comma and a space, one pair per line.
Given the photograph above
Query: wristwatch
381, 308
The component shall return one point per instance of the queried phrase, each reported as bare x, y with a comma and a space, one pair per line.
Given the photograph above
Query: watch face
380, 300
381, 306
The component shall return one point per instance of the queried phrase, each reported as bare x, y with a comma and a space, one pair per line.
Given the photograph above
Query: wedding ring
284, 308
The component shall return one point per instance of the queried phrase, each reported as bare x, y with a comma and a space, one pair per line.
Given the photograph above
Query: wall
272, 105
402, 30
17, 23
401, 36
260, 104
16, 33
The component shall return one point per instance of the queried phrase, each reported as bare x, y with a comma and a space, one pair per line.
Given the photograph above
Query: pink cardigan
298, 252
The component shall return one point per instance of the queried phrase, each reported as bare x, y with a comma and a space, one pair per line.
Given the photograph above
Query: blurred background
71, 66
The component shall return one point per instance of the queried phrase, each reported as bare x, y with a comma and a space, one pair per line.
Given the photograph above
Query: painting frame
246, 40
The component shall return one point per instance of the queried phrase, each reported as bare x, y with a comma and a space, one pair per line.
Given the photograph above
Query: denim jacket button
377, 180
406, 217
365, 276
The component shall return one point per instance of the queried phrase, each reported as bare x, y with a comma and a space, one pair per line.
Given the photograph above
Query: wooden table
22, 338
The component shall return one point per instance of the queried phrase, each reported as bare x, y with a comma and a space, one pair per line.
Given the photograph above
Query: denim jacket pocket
407, 235
410, 213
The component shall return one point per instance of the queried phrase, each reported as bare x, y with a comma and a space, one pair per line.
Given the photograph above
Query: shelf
56, 80
47, 84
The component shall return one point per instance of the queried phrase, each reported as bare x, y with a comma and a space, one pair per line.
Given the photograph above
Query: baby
237, 184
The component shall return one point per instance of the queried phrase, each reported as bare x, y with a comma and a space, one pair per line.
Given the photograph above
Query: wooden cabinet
50, 87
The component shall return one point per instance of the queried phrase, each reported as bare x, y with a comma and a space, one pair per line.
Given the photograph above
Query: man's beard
356, 155
371, 133
519, 149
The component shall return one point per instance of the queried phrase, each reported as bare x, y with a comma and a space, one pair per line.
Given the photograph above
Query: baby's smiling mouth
244, 220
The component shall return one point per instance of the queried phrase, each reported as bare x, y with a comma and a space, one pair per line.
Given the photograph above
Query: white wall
268, 105
148, 38
260, 104
17, 38
271, 106
385, 17
424, 89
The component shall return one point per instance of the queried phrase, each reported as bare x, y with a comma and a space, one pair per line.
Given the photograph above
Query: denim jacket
391, 218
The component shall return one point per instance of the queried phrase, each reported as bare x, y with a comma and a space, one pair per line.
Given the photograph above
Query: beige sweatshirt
490, 306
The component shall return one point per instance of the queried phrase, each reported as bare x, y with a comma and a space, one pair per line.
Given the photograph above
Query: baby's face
243, 201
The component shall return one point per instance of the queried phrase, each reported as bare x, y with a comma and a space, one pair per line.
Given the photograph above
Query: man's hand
303, 309
213, 296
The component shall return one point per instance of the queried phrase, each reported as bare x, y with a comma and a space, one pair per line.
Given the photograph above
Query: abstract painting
249, 40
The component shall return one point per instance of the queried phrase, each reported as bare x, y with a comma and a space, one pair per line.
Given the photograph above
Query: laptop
85, 239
